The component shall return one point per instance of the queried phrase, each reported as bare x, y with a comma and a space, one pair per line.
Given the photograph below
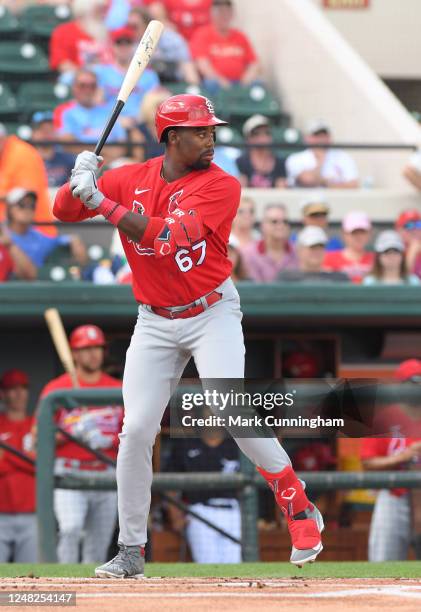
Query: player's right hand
87, 161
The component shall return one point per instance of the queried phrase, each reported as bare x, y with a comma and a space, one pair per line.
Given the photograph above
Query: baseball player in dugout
174, 214
18, 521
91, 513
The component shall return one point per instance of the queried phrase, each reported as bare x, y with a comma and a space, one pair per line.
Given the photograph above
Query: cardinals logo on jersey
173, 201
138, 208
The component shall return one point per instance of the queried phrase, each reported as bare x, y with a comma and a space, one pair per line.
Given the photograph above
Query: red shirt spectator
221, 52
82, 41
353, 260
186, 15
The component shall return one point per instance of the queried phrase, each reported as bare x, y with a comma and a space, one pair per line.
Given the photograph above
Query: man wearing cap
18, 523
110, 76
58, 163
92, 513
315, 213
14, 263
223, 55
354, 260
311, 251
36, 246
391, 524
408, 225
321, 167
259, 166
21, 164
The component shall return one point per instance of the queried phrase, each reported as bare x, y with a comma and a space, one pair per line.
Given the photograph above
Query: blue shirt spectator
21, 205
58, 163
110, 76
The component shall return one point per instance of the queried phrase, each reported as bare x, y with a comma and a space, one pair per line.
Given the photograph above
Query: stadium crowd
200, 49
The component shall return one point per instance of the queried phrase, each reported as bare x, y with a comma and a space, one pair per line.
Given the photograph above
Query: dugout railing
247, 481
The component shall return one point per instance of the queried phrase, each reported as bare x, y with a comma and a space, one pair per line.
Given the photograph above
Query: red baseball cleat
305, 536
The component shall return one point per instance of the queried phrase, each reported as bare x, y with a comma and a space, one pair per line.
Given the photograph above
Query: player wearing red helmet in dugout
85, 515
174, 214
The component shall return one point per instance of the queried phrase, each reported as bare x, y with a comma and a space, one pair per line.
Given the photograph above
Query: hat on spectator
3, 131
314, 126
311, 236
314, 203
16, 194
125, 32
409, 370
300, 364
412, 214
42, 117
255, 121
234, 242
356, 220
14, 378
388, 240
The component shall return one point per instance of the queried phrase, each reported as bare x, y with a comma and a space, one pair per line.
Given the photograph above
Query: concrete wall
317, 73
395, 50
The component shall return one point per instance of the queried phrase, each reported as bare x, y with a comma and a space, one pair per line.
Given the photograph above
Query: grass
398, 569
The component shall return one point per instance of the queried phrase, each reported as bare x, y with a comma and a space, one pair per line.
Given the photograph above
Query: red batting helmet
185, 110
86, 335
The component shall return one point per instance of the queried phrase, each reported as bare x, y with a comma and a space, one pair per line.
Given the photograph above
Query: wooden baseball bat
61, 343
140, 60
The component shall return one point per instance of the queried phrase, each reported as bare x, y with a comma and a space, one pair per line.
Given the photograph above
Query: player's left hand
83, 185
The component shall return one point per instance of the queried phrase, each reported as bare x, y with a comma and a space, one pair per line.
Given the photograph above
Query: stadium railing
247, 481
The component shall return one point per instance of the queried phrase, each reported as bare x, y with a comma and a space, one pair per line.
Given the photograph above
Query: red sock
288, 490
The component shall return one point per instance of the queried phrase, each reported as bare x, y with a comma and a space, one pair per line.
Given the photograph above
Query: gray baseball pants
158, 353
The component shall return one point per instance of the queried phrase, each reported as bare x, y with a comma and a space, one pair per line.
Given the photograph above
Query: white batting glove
83, 185
88, 161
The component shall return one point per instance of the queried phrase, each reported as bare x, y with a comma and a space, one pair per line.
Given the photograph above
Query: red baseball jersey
107, 419
190, 273
17, 477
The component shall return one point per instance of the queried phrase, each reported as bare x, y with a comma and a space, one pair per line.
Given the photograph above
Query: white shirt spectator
338, 166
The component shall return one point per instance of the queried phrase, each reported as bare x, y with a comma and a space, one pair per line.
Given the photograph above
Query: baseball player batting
174, 215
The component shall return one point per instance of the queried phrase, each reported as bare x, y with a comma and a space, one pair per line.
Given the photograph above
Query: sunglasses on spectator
261, 130
244, 211
411, 225
123, 41
26, 205
277, 221
318, 215
86, 84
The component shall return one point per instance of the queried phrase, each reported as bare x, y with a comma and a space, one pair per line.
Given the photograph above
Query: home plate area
214, 594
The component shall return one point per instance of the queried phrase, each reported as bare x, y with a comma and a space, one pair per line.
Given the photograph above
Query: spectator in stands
86, 515
321, 167
18, 521
412, 171
84, 118
172, 58
315, 213
36, 246
223, 55
21, 164
311, 252
81, 42
146, 127
186, 15
353, 259
243, 225
391, 525
239, 272
212, 452
264, 259
389, 264
13, 261
259, 166
58, 163
110, 76
408, 225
